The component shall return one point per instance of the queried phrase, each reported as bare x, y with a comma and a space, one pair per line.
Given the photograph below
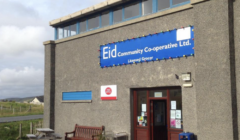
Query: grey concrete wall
49, 86
213, 77
237, 52
77, 69
207, 106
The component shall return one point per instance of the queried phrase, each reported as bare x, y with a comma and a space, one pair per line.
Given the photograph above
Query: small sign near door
109, 92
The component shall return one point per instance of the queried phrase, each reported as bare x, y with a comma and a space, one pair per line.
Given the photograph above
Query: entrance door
159, 120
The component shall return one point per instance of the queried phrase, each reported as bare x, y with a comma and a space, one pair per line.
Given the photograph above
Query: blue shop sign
160, 46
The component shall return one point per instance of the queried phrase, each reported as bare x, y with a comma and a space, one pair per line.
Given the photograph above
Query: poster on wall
178, 123
109, 92
173, 114
173, 104
144, 107
154, 47
173, 123
178, 114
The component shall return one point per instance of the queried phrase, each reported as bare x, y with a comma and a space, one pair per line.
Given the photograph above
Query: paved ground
20, 118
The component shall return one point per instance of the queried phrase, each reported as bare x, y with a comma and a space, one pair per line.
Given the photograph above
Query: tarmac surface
20, 118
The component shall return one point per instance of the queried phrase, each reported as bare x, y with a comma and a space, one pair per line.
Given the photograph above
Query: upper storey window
128, 11
73, 29
147, 7
83, 26
132, 10
175, 2
117, 15
163, 4
93, 22
105, 19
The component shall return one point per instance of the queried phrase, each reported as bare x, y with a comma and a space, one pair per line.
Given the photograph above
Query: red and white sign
109, 92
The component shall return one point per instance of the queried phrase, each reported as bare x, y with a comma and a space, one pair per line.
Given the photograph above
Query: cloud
15, 41
24, 26
21, 82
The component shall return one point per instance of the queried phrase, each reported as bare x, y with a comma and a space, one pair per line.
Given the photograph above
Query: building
150, 68
39, 100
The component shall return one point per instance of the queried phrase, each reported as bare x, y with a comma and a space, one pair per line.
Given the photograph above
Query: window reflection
147, 7
83, 26
117, 15
73, 29
142, 108
178, 1
93, 22
176, 109
131, 10
105, 19
60, 33
163, 4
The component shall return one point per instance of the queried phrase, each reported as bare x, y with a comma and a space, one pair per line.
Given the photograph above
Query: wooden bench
85, 133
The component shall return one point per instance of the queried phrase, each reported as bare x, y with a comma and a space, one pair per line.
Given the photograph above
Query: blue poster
154, 47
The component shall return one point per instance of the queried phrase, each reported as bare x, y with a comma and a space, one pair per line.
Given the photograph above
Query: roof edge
86, 11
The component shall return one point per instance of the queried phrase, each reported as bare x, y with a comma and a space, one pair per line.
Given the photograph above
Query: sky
24, 26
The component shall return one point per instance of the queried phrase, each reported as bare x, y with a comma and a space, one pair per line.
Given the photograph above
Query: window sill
77, 101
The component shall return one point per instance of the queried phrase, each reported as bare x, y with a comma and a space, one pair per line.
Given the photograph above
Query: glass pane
142, 108
178, 1
105, 19
159, 111
163, 4
93, 22
117, 15
147, 7
83, 27
73, 29
65, 31
131, 10
176, 109
60, 33
158, 93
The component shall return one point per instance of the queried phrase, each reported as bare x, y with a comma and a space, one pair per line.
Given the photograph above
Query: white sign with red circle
109, 92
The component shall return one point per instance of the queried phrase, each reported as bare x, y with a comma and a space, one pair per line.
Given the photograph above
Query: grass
8, 107
10, 131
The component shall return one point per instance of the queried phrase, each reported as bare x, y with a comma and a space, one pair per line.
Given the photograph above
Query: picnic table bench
85, 133
44, 133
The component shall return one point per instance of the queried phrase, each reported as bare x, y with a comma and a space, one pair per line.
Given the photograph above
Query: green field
10, 131
9, 109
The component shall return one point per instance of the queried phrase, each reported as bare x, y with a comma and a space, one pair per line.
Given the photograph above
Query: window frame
139, 8
76, 101
111, 17
99, 21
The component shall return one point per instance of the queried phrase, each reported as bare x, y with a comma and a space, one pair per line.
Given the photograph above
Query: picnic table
44, 133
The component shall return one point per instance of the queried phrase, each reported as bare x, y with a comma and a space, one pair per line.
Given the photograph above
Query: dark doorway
159, 120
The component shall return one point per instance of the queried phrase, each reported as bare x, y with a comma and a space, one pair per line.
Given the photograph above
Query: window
105, 19
65, 31
60, 33
73, 29
93, 22
179, 1
117, 15
146, 7
77, 96
176, 109
163, 4
142, 108
158, 93
124, 12
83, 26
131, 10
